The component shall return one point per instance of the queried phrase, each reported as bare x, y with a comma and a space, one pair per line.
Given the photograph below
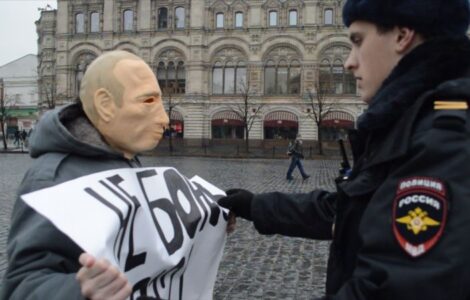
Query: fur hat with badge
428, 17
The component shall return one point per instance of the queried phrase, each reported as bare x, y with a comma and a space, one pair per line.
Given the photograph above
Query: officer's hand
239, 202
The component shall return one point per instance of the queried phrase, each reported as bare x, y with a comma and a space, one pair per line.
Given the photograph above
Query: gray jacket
42, 260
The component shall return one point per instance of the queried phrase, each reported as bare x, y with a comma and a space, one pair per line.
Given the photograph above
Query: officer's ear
406, 39
104, 105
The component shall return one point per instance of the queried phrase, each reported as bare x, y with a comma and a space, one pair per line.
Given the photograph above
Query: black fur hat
429, 17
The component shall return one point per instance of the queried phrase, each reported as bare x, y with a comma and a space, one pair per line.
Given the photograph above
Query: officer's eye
149, 100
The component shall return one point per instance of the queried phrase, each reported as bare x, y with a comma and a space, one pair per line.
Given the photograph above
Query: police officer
400, 224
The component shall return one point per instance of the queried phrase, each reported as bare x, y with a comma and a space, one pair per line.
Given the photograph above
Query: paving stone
253, 266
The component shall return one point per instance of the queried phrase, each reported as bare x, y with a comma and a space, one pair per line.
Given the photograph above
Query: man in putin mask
120, 114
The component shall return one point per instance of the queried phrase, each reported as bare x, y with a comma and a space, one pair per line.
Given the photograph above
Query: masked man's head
122, 99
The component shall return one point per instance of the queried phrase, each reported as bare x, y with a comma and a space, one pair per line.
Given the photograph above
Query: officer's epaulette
450, 114
450, 105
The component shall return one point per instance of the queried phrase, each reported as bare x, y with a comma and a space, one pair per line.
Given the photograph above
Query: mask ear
104, 105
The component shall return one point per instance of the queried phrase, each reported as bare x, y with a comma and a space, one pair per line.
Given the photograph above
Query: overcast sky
17, 30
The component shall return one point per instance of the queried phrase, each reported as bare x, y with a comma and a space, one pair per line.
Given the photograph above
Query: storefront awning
176, 116
227, 118
281, 119
338, 119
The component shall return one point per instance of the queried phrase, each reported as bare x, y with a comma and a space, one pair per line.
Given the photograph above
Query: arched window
272, 18
217, 78
128, 20
338, 76
181, 78
82, 63
171, 77
294, 78
282, 78
332, 77
79, 23
282, 75
328, 17
161, 75
162, 18
229, 78
95, 22
219, 20
270, 78
238, 19
293, 17
179, 17
240, 79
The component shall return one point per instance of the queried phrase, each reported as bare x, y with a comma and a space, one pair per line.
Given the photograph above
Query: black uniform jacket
402, 220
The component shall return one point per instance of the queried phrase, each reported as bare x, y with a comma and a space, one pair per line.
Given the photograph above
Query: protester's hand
100, 280
239, 202
232, 222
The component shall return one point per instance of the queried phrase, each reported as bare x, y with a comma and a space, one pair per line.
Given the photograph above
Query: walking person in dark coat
296, 154
400, 223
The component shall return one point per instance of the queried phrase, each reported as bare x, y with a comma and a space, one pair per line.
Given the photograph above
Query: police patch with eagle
419, 213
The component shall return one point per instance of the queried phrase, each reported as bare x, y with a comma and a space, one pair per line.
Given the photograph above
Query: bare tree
47, 93
318, 105
168, 93
5, 108
247, 110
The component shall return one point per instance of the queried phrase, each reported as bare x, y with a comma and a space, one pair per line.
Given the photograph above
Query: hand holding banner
161, 229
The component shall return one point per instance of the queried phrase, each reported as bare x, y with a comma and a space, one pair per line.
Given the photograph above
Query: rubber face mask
137, 124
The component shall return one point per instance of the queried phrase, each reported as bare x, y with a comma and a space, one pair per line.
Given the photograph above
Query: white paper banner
164, 231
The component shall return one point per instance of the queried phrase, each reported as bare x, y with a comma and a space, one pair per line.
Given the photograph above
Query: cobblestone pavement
253, 266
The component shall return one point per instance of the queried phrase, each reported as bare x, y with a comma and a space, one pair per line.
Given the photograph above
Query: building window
239, 19
80, 23
179, 17
172, 77
229, 79
333, 79
217, 79
270, 78
128, 17
240, 79
293, 18
162, 18
328, 17
95, 22
219, 17
273, 18
294, 78
282, 78
82, 63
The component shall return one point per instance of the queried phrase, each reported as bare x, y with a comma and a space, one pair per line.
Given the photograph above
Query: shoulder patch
450, 105
419, 214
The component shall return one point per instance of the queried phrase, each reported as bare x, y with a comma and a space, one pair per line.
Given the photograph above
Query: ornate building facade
209, 57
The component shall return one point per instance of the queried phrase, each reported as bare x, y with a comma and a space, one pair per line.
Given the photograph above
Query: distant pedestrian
24, 135
17, 138
295, 151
